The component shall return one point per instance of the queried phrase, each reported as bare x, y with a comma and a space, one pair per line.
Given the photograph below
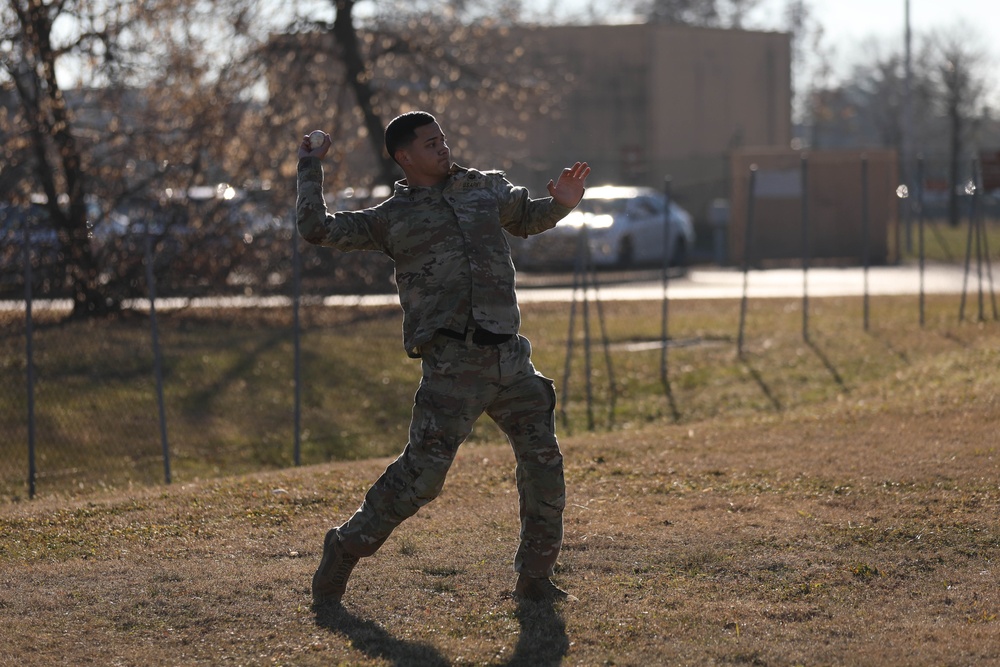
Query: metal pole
864, 233
908, 126
985, 241
976, 219
664, 315
30, 357
157, 356
804, 194
968, 263
297, 338
747, 240
920, 232
569, 336
587, 367
612, 387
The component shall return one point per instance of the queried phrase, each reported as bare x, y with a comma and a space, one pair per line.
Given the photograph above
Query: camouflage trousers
461, 381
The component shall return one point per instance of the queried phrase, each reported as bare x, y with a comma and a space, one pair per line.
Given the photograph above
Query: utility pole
907, 139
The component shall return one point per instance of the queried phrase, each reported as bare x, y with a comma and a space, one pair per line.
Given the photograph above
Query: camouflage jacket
452, 260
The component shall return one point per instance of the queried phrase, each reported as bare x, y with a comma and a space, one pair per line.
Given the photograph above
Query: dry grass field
844, 520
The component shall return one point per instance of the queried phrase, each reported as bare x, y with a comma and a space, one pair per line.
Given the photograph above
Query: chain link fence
192, 388
236, 372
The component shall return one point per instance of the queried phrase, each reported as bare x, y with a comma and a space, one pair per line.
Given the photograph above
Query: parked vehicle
623, 227
42, 239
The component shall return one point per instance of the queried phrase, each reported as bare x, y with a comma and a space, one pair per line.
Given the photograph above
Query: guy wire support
585, 277
977, 231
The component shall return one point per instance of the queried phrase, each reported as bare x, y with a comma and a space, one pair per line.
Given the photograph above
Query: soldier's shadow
372, 639
542, 641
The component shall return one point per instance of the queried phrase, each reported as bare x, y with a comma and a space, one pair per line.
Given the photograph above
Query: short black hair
400, 132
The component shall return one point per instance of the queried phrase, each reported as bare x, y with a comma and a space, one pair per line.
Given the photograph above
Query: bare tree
47, 136
454, 60
360, 82
128, 100
710, 13
142, 100
879, 80
959, 68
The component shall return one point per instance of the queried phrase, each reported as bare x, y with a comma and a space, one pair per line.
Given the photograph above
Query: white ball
316, 139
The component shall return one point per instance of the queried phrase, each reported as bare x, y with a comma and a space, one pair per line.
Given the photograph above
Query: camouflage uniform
460, 317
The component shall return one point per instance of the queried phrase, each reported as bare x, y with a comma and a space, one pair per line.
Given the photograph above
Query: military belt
477, 336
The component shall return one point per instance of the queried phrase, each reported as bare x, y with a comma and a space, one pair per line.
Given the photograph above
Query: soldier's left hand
568, 190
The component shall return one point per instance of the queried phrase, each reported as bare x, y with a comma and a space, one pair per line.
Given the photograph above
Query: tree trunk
49, 120
347, 39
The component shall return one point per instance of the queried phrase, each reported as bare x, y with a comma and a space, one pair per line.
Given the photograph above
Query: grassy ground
815, 503
944, 243
229, 380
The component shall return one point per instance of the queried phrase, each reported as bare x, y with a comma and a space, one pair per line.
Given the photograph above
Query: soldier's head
417, 144
401, 130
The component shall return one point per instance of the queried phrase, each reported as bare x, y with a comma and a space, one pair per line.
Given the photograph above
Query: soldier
444, 229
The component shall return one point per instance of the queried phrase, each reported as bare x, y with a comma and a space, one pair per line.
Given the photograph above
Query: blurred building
650, 101
641, 103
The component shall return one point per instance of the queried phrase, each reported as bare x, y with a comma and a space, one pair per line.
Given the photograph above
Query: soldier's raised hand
315, 144
568, 190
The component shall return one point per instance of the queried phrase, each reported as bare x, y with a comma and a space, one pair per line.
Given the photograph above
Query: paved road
782, 283
698, 283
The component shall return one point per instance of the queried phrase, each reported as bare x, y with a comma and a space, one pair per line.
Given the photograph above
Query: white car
623, 227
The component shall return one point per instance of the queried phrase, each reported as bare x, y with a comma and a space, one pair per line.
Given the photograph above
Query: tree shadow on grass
373, 640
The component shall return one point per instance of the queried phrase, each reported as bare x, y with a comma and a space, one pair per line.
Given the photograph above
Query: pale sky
850, 24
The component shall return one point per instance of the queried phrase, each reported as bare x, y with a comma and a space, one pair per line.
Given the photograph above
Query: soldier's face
428, 157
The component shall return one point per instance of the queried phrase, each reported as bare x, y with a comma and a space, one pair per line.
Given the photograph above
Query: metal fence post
665, 309
975, 232
569, 342
157, 355
804, 194
30, 357
297, 338
668, 252
747, 241
588, 370
865, 234
585, 276
919, 205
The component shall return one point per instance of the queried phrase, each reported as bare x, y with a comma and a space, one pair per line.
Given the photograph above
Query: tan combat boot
539, 589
